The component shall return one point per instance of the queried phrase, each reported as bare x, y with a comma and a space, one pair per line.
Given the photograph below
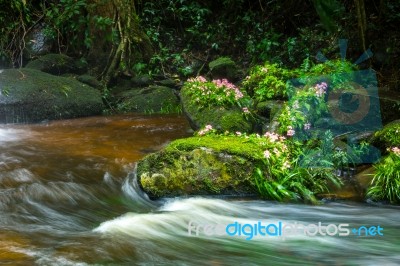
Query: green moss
221, 62
201, 165
248, 148
34, 96
56, 64
223, 67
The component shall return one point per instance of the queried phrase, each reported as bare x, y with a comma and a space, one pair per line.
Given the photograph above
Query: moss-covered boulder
153, 99
57, 64
221, 118
90, 80
207, 165
223, 67
28, 95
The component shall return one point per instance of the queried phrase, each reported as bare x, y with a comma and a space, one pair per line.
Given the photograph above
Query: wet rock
57, 64
90, 80
223, 67
141, 81
188, 168
168, 83
37, 43
354, 187
28, 95
153, 99
221, 118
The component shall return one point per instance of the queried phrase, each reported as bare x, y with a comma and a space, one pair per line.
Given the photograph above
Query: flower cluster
278, 155
273, 136
245, 110
205, 130
229, 88
290, 131
200, 79
219, 92
395, 150
320, 89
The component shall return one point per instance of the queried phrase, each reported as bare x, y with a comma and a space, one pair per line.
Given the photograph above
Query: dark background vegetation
179, 37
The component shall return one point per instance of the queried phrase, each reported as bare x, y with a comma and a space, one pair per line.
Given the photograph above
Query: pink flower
245, 110
396, 150
206, 129
272, 136
320, 89
290, 131
267, 154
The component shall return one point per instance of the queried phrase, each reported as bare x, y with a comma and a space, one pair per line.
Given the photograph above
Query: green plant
267, 82
335, 72
215, 93
305, 106
386, 182
68, 18
389, 135
285, 174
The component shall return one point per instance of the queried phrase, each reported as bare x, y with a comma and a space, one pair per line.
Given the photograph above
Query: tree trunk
131, 43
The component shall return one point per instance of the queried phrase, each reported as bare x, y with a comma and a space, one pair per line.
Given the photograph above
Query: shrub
215, 93
386, 182
284, 175
267, 81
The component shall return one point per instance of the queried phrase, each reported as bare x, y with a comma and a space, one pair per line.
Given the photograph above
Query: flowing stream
68, 196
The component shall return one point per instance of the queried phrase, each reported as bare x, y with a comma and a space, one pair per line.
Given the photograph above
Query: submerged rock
28, 95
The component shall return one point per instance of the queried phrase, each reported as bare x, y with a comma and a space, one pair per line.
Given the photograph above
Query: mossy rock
36, 41
389, 136
223, 67
211, 165
90, 80
57, 64
142, 81
269, 109
221, 118
153, 99
28, 95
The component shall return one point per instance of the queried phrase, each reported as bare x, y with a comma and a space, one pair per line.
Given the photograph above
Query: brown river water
69, 196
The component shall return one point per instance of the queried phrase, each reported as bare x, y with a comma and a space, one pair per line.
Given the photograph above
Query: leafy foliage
215, 93
389, 135
267, 81
285, 176
386, 182
67, 22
